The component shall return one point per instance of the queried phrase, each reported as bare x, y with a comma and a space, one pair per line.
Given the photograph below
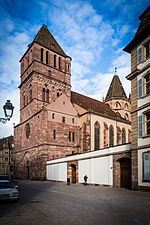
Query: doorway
125, 173
73, 173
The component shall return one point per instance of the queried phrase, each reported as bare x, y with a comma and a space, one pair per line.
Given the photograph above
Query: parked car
8, 191
4, 177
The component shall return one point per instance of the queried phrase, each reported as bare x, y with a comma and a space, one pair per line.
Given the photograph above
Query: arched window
47, 95
68, 68
105, 135
54, 61
43, 94
129, 135
96, 135
46, 57
123, 136
117, 105
118, 136
42, 54
126, 106
111, 136
57, 94
59, 63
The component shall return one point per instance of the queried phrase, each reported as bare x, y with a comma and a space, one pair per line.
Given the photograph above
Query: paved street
50, 203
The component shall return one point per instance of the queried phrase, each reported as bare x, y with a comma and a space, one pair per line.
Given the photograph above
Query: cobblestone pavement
50, 203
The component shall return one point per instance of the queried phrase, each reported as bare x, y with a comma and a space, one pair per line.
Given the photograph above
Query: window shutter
140, 54
140, 88
140, 126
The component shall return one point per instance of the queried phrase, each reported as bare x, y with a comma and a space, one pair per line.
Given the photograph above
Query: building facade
7, 156
139, 48
56, 122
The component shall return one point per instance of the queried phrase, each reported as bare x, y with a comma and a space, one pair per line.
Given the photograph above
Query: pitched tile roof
46, 39
116, 89
142, 32
94, 105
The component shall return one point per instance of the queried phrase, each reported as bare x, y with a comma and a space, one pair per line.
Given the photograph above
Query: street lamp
8, 111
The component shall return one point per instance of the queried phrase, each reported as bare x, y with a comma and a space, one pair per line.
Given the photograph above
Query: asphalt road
50, 203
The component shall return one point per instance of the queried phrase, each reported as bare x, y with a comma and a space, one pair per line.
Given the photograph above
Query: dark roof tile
94, 105
116, 89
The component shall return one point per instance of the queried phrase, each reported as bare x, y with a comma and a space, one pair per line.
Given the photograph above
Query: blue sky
92, 32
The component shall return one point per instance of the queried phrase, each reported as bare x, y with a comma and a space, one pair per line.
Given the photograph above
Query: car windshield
6, 185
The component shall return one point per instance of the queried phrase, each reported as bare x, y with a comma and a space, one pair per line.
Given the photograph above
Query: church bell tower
45, 74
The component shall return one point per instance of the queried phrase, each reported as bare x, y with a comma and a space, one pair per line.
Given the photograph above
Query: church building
56, 122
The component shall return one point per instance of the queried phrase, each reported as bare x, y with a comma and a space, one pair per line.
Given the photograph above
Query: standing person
85, 180
68, 181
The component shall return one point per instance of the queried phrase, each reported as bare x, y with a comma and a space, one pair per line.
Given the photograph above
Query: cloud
93, 42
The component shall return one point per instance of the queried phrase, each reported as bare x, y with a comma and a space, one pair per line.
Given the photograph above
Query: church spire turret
116, 97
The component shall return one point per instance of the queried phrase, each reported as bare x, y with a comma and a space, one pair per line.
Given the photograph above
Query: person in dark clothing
85, 180
68, 181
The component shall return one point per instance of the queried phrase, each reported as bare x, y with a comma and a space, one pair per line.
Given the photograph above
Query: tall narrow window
147, 81
146, 161
96, 135
139, 55
63, 119
54, 134
46, 57
53, 115
129, 135
73, 136
69, 136
140, 126
140, 88
123, 136
68, 68
111, 136
59, 63
118, 136
148, 123
47, 95
42, 54
24, 100
84, 136
54, 61
43, 94
147, 48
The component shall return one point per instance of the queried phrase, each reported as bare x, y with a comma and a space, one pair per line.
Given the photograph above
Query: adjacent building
6, 155
139, 48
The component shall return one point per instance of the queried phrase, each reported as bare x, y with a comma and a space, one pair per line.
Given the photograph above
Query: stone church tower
116, 98
45, 74
48, 126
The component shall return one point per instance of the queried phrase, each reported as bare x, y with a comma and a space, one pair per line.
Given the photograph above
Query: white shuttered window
140, 88
140, 126
139, 55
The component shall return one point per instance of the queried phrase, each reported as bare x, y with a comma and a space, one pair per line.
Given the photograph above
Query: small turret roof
116, 89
